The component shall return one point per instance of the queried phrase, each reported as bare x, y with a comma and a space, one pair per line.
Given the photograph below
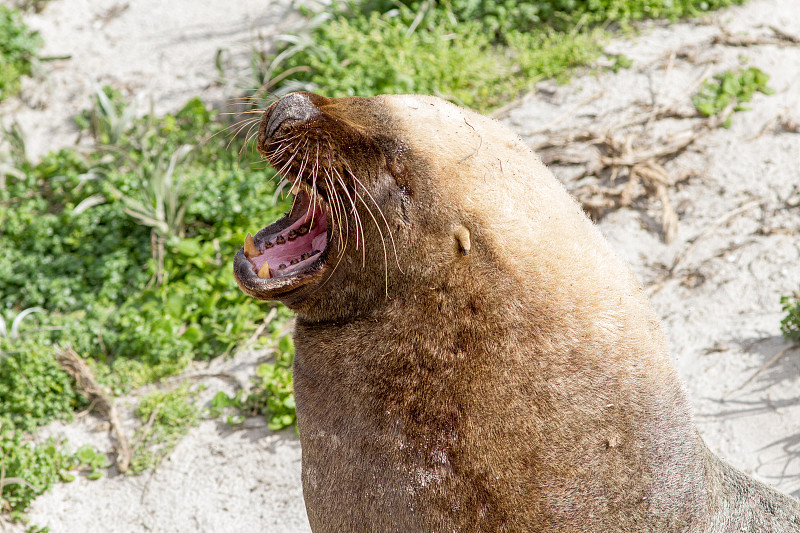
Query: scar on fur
480, 137
462, 237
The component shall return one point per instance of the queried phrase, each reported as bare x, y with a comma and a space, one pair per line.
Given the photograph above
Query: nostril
295, 106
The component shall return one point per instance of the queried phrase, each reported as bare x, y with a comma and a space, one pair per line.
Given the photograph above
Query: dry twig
76, 367
784, 35
774, 359
633, 156
780, 118
780, 38
680, 257
257, 333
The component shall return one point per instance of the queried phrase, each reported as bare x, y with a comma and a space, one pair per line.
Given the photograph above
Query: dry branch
686, 252
76, 367
780, 38
626, 162
774, 359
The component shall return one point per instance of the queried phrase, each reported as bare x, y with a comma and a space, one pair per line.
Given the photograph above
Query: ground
734, 213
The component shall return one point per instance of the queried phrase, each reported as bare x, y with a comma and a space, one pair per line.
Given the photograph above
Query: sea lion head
398, 193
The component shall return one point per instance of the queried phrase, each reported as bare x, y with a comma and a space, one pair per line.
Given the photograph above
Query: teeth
302, 230
250, 249
294, 261
315, 252
263, 272
280, 240
295, 187
292, 235
305, 256
268, 244
281, 266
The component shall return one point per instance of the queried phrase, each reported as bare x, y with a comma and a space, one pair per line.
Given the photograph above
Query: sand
716, 286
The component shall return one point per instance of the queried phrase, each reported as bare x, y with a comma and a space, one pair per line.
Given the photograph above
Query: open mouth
289, 250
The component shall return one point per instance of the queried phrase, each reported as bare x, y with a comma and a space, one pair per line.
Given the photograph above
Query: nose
296, 107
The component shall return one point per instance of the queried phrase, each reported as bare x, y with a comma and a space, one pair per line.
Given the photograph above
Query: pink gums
282, 254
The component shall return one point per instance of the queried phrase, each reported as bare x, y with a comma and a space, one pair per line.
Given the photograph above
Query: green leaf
85, 454
193, 334
189, 247
66, 477
221, 400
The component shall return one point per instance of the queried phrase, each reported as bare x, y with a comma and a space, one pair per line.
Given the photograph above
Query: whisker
333, 197
383, 243
249, 137
339, 214
356, 217
303, 162
288, 163
279, 189
246, 112
235, 134
225, 130
388, 228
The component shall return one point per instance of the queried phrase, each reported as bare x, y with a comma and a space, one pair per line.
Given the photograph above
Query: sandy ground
716, 285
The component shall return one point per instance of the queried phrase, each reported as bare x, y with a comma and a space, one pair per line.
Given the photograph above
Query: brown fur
494, 366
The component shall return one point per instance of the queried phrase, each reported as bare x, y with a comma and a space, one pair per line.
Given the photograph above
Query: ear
463, 239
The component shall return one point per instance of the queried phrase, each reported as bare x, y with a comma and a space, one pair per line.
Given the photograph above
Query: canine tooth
292, 235
302, 230
250, 249
263, 272
280, 240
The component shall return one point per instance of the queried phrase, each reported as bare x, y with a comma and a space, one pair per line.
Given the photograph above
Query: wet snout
295, 107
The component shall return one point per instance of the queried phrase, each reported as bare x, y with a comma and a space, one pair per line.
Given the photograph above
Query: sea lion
470, 353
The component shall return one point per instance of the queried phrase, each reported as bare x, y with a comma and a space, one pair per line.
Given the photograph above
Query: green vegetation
141, 297
730, 89
271, 395
33, 391
124, 254
18, 48
91, 462
165, 417
28, 469
790, 325
33, 388
480, 53
455, 59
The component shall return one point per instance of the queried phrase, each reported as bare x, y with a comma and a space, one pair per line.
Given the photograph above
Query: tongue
320, 241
